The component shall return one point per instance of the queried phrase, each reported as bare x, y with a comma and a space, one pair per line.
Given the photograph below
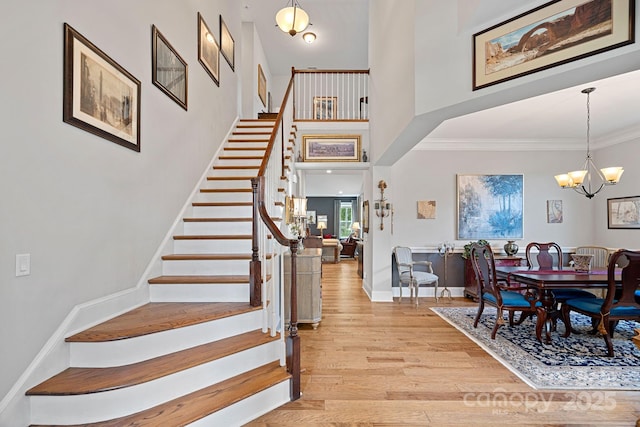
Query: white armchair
410, 277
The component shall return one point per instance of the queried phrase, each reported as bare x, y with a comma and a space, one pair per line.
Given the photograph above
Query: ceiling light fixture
581, 180
292, 19
309, 37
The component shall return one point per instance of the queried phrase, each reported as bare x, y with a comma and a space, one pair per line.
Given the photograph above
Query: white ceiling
555, 121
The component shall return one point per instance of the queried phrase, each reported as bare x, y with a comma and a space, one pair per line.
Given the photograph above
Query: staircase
196, 354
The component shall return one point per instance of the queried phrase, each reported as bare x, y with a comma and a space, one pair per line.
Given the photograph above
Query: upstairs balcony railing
331, 95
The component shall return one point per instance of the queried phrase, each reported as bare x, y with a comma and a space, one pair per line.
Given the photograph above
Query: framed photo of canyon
552, 34
331, 148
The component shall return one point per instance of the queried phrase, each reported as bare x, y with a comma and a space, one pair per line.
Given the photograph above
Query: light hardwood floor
392, 364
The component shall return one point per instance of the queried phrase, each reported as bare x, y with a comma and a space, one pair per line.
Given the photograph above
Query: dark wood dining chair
502, 295
546, 261
619, 302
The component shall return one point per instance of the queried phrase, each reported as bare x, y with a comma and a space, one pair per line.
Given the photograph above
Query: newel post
293, 339
255, 267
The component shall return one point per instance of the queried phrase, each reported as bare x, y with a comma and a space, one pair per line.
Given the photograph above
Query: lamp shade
299, 207
321, 225
355, 226
292, 19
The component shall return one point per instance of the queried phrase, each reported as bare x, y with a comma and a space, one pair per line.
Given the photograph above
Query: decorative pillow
327, 236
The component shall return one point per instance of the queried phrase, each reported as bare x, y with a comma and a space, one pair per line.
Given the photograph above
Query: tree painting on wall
490, 206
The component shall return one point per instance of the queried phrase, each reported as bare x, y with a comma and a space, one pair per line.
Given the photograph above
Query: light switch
23, 264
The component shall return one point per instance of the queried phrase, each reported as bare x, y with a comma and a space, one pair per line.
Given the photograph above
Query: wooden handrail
260, 212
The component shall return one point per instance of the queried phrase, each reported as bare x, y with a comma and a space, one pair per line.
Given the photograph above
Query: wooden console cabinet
309, 270
470, 285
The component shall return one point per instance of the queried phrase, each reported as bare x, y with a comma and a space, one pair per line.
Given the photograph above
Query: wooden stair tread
226, 190
209, 257
222, 278
76, 381
199, 219
230, 178
251, 133
237, 167
221, 204
214, 237
158, 317
240, 157
251, 140
199, 404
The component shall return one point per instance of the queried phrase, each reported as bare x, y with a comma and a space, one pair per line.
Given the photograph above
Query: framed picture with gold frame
262, 86
331, 148
324, 107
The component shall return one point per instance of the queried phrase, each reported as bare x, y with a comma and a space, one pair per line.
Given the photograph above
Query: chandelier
292, 19
589, 180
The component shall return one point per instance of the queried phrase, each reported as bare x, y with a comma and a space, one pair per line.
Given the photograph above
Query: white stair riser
245, 183
222, 211
200, 292
254, 152
248, 409
261, 144
205, 246
233, 172
207, 267
133, 350
238, 162
215, 227
120, 402
224, 197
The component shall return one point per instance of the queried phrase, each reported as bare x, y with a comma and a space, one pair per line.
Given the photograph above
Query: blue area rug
576, 362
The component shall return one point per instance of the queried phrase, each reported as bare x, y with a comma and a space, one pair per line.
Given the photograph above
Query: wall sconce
381, 206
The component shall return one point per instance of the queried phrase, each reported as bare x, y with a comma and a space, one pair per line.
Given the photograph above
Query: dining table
545, 281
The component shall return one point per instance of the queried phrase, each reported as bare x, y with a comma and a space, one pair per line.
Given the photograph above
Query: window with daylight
346, 219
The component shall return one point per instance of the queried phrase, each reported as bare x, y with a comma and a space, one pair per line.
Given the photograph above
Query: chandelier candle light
293, 19
583, 181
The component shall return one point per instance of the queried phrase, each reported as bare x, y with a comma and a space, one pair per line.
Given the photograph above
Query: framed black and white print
208, 50
227, 45
169, 70
99, 96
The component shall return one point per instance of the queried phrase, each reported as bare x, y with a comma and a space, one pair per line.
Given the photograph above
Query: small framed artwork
322, 218
490, 206
168, 70
554, 211
331, 148
311, 217
427, 209
100, 96
324, 107
624, 212
262, 86
208, 51
227, 45
365, 216
552, 34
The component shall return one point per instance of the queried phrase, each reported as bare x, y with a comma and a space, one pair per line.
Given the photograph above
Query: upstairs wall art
555, 33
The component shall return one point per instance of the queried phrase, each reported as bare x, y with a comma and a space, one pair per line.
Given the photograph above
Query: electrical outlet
23, 265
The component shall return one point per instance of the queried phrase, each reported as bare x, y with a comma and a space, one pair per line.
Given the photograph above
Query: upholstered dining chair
503, 296
545, 261
410, 277
619, 302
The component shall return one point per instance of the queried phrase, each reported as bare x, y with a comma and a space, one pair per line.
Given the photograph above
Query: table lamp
356, 229
322, 226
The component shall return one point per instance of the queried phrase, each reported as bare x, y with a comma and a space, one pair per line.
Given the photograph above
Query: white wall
92, 213
253, 55
431, 175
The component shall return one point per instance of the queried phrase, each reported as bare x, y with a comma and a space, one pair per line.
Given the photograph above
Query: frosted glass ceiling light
292, 19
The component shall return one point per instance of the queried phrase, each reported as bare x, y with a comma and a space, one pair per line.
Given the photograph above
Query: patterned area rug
577, 362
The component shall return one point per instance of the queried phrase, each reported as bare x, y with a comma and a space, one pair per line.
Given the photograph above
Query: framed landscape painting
555, 33
208, 51
169, 70
100, 96
624, 212
490, 207
331, 148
